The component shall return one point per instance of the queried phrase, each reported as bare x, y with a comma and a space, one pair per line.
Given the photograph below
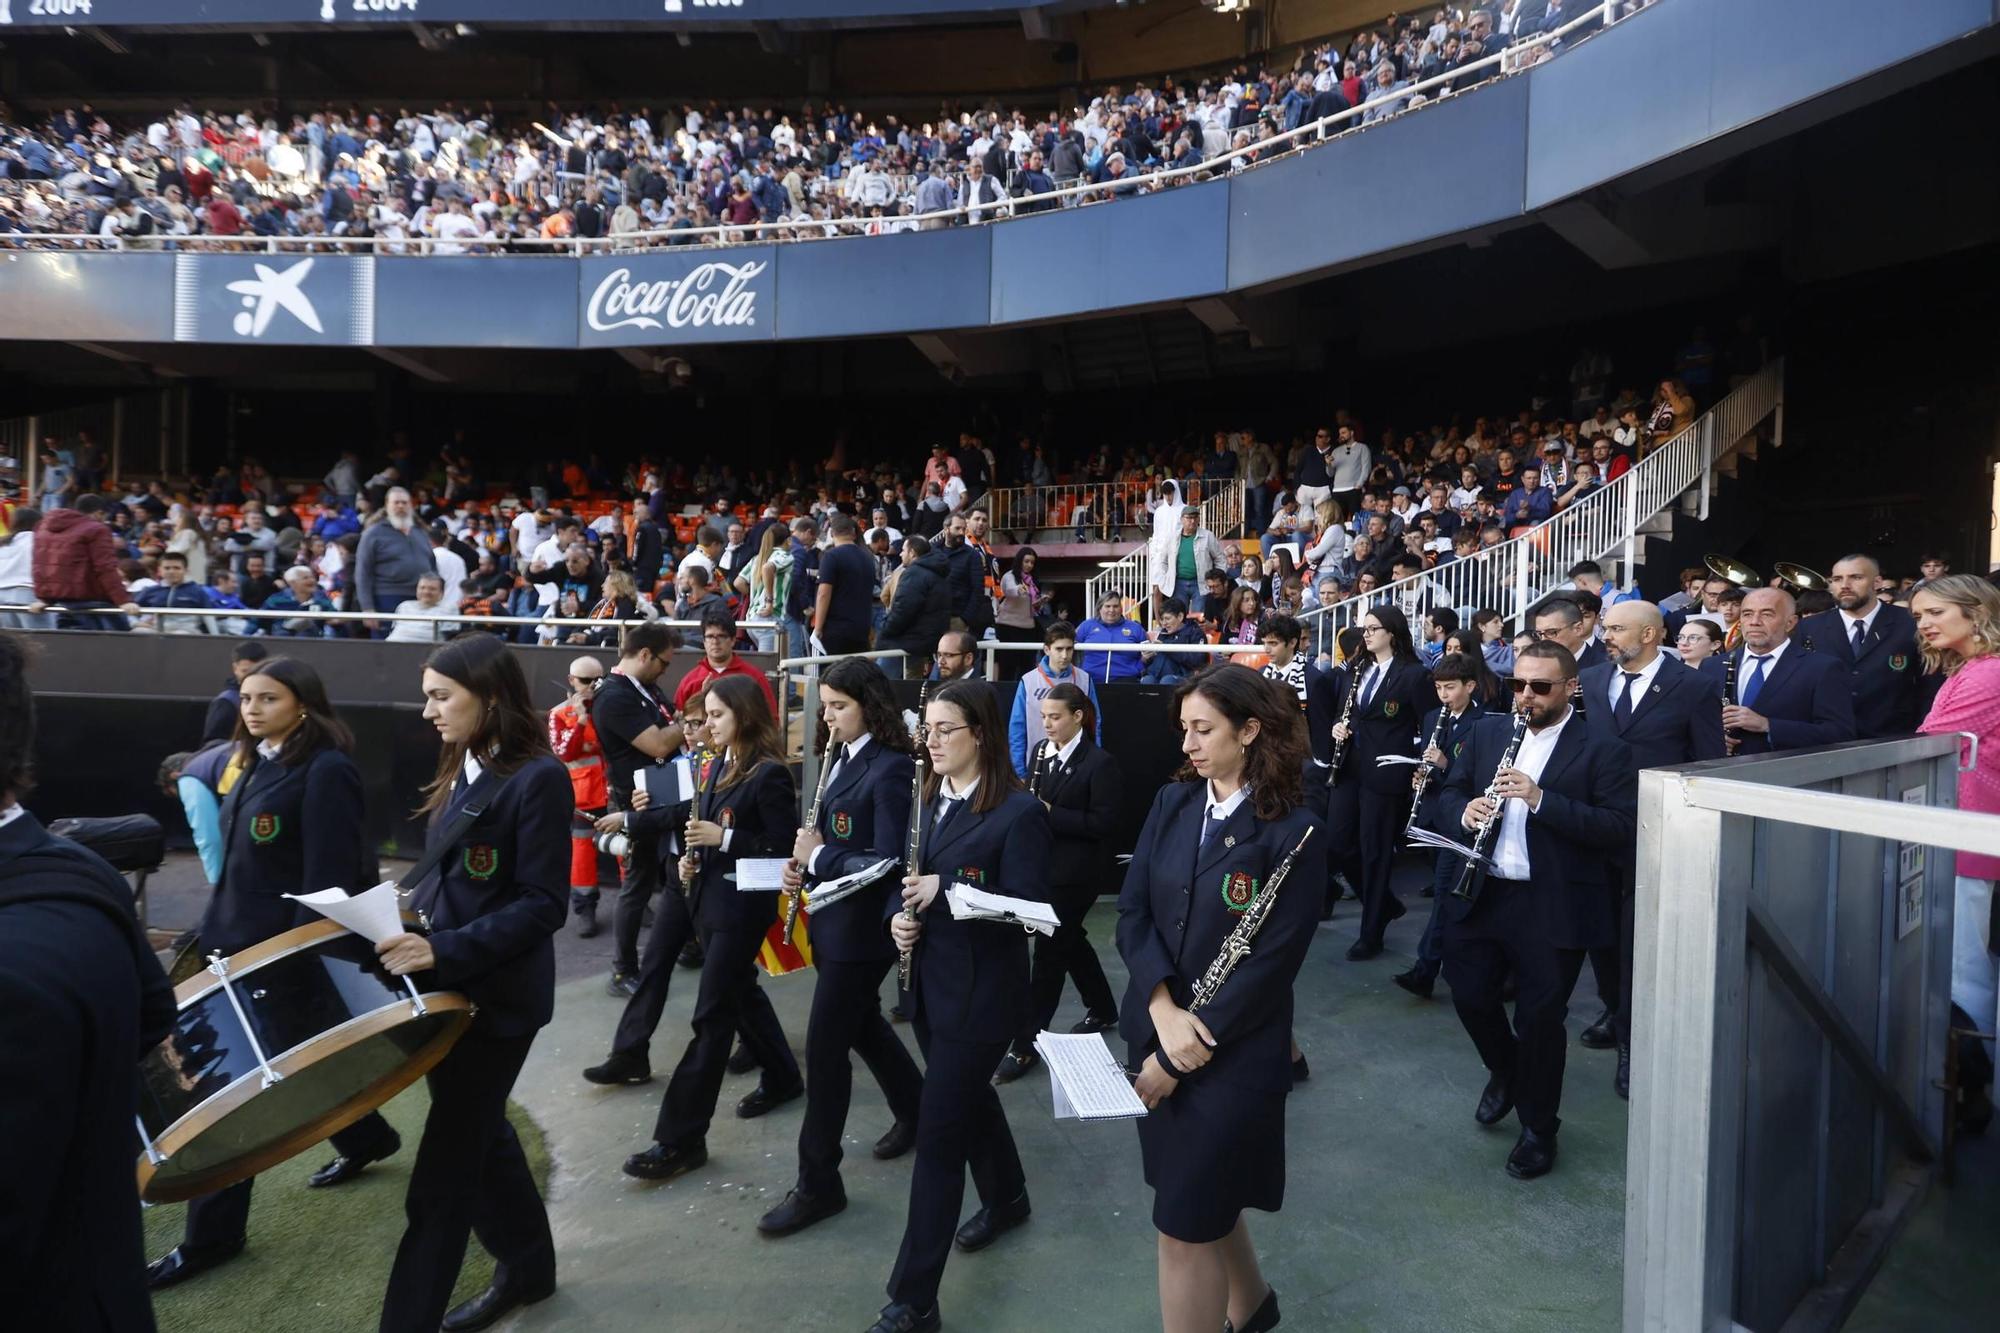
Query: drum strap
448, 835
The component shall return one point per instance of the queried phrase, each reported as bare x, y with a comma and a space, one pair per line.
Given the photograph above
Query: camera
616, 845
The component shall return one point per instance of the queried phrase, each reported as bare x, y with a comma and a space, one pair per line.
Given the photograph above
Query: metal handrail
1602, 16
473, 618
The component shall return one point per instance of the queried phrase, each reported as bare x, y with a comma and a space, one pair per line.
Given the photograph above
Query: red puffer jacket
76, 560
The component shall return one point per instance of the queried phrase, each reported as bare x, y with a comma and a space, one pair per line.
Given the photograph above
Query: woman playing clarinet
500, 805
1078, 784
747, 807
969, 988
1215, 1074
863, 813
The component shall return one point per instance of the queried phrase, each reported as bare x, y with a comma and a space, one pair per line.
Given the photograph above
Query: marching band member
746, 808
502, 803
1787, 695
1216, 1080
1566, 806
969, 991
1371, 800
1456, 678
292, 824
864, 808
573, 737
1078, 784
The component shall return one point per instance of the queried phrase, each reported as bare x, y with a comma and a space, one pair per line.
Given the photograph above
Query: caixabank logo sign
276, 299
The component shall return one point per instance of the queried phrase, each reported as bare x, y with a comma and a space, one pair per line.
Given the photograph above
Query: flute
796, 900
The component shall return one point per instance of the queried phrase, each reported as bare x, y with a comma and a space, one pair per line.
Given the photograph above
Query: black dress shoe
986, 1225
503, 1297
1428, 891
1495, 1102
1094, 1023
1361, 951
800, 1211
760, 1100
902, 1136
901, 1318
691, 956
660, 1162
621, 1068
586, 921
1396, 910
1263, 1320
1014, 1064
1533, 1155
1415, 982
741, 1060
185, 1261
342, 1169
1621, 1082
623, 985
1301, 1071
1601, 1035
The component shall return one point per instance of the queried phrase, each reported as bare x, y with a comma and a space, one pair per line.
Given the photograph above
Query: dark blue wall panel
1129, 252
1441, 169
884, 284
87, 297
469, 302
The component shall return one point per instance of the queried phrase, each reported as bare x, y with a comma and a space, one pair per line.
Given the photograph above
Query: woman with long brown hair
292, 823
746, 808
500, 806
1216, 1079
969, 990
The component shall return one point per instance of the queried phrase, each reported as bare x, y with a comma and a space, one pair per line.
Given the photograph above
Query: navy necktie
1860, 637
1210, 827
1621, 712
1370, 683
1755, 685
947, 806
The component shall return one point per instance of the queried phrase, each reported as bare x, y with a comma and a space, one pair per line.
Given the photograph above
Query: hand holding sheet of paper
760, 874
374, 915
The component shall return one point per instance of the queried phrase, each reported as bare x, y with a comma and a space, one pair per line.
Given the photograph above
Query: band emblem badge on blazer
1239, 890
265, 828
972, 875
843, 824
482, 860
1393, 707
1898, 662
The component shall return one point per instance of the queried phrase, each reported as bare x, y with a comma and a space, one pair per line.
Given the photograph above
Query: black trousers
223, 1218
728, 999
1504, 933
638, 880
1066, 955
1343, 847
1378, 824
470, 1178
847, 1018
1622, 1009
640, 1019
960, 1123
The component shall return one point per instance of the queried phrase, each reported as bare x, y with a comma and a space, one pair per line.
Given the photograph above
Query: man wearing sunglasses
1566, 808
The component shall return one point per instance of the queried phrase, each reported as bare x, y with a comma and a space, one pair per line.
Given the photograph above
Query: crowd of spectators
458, 179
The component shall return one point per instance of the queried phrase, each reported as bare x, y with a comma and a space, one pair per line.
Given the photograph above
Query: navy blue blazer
1326, 691
1452, 742
1806, 698
1593, 654
1083, 801
1588, 819
285, 829
864, 817
762, 814
501, 893
971, 977
1178, 906
1676, 721
1388, 725
1883, 678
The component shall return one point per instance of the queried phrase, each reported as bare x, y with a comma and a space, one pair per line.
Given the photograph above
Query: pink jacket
1970, 701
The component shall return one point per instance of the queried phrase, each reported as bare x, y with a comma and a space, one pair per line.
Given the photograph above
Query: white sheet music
1423, 837
1388, 760
1085, 1079
828, 892
374, 915
760, 874
970, 904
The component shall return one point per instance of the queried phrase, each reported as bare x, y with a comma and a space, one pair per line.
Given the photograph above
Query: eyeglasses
1542, 688
1548, 634
944, 731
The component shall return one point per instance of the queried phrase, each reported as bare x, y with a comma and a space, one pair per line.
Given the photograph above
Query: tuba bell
1800, 578
1731, 570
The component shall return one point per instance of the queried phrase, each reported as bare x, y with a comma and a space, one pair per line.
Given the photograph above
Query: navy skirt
1210, 1151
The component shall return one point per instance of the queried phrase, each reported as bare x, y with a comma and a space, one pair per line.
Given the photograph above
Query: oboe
1424, 770
1346, 715
795, 901
1473, 875
1236, 947
906, 960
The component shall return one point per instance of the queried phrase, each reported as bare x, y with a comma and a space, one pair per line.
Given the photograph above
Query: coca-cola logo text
712, 295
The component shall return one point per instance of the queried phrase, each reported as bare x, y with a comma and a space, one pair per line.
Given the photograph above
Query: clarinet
1038, 767
1346, 714
906, 961
1424, 770
1236, 947
1473, 875
795, 901
1728, 690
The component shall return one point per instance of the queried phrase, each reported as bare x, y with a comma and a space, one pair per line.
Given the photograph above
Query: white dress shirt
1222, 810
1647, 674
1067, 752
10, 814
1867, 622
1749, 665
1510, 850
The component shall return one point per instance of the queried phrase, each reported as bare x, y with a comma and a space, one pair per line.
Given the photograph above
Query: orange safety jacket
574, 739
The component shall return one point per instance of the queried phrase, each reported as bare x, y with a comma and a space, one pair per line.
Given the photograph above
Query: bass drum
305, 1034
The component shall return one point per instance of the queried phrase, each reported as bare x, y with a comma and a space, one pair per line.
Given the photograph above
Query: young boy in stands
1057, 667
1174, 627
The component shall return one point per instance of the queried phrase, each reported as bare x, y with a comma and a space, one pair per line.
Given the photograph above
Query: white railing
456, 618
1087, 506
1221, 511
1513, 575
1501, 64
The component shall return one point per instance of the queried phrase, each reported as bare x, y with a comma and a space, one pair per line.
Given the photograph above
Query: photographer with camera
573, 737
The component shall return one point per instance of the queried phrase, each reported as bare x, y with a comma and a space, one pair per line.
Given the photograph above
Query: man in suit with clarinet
1877, 642
1787, 695
1667, 713
1548, 820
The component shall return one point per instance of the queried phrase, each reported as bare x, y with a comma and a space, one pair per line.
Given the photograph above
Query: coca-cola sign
676, 298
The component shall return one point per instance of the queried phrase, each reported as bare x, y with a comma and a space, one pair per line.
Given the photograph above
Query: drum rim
245, 1087
245, 961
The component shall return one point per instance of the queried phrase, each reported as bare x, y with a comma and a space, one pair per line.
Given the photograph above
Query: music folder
970, 904
1086, 1080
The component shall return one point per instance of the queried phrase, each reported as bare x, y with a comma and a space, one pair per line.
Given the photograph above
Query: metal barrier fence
1791, 1003
448, 622
1500, 64
1088, 506
1221, 512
